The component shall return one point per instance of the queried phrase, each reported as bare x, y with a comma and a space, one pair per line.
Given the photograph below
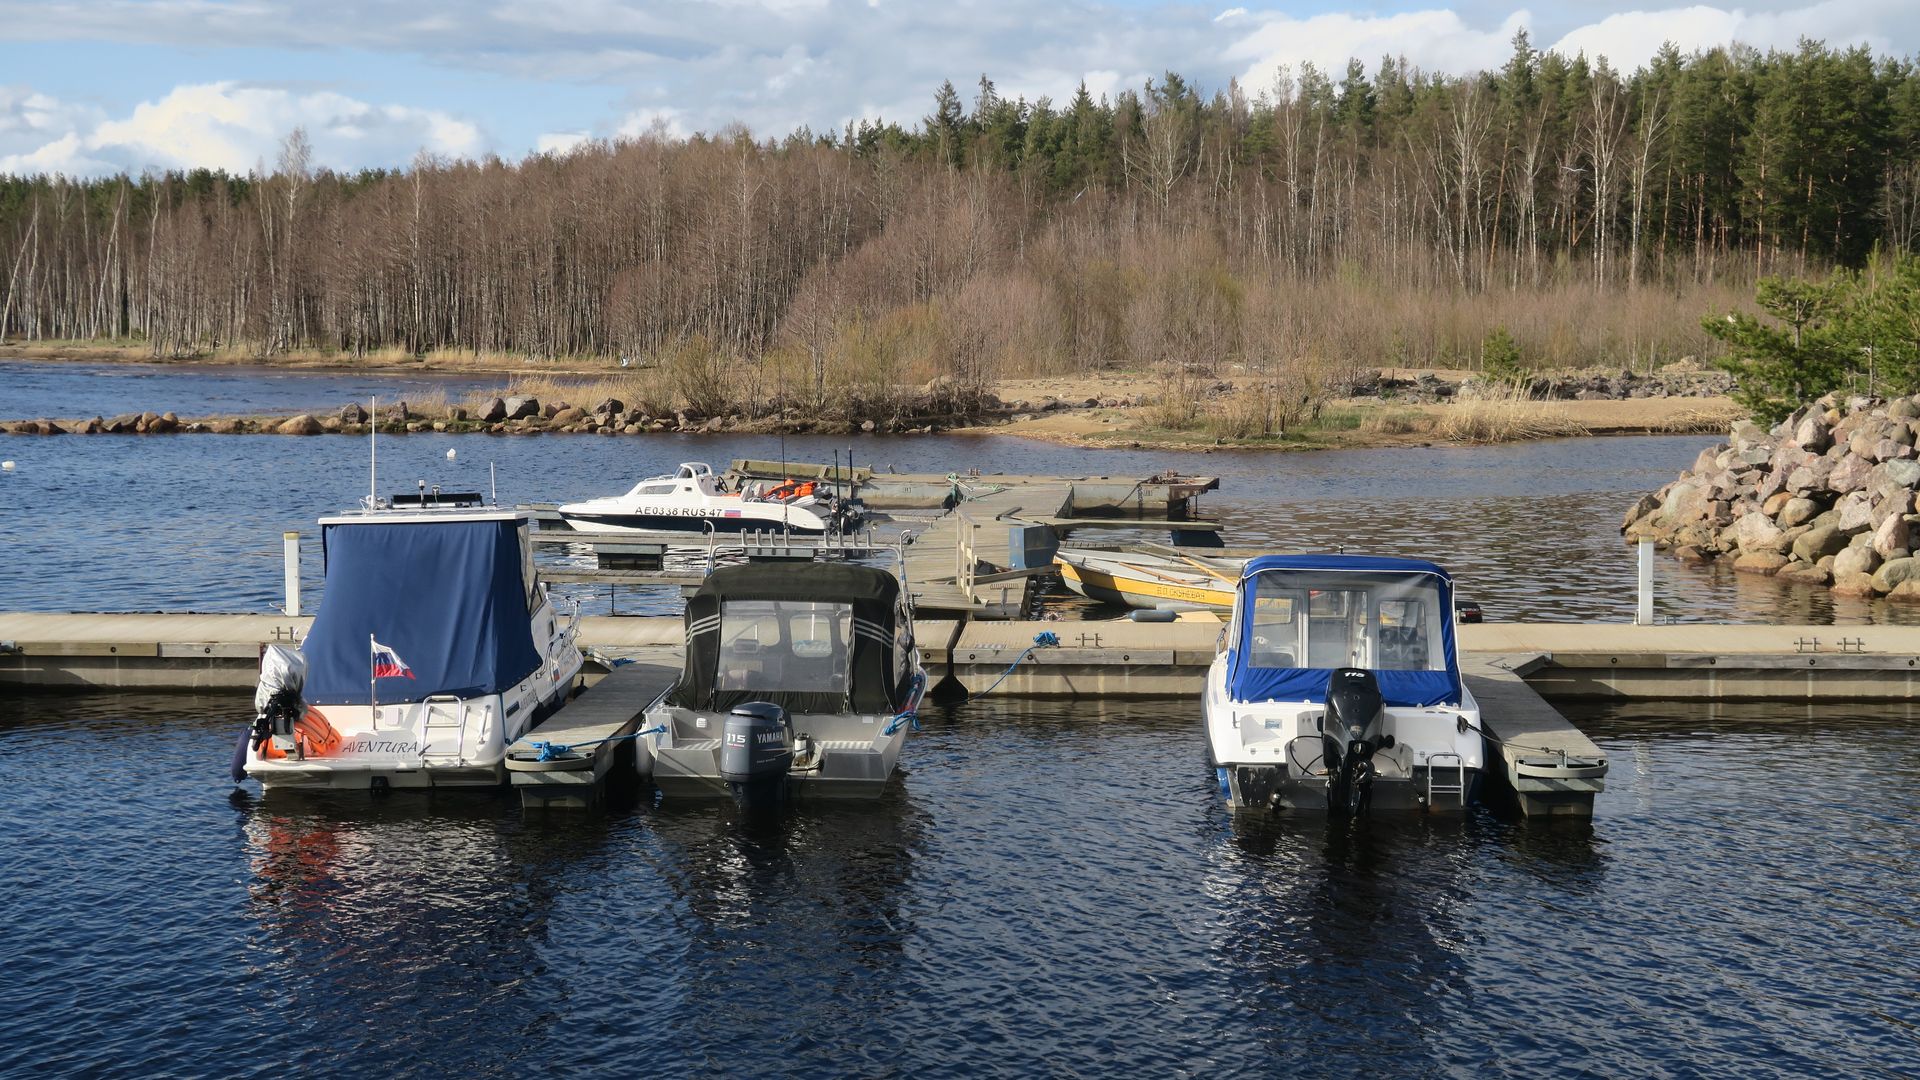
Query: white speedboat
800, 680
1338, 688
691, 500
434, 648
1139, 580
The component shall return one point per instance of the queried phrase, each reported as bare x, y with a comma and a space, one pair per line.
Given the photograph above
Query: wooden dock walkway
1551, 768
946, 562
610, 710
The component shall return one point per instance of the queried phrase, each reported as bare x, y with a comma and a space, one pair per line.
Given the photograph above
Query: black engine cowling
1351, 731
756, 751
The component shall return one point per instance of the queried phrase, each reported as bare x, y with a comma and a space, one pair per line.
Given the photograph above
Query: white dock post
1643, 616
291, 545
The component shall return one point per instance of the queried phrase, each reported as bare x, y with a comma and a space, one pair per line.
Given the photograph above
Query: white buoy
7, 466
450, 455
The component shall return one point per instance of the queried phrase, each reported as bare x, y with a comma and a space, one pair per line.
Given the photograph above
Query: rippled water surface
75, 390
193, 522
1052, 889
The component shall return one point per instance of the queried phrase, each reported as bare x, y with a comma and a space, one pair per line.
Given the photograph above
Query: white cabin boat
691, 499
1338, 688
800, 680
434, 648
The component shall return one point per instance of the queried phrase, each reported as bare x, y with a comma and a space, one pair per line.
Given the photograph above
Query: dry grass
1513, 419
1395, 422
1706, 420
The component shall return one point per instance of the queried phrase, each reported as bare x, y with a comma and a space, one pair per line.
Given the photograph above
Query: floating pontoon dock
565, 761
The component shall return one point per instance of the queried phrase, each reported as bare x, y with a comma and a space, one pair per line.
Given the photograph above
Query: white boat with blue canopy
1337, 688
434, 648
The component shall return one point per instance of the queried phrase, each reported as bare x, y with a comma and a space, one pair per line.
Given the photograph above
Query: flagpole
373, 695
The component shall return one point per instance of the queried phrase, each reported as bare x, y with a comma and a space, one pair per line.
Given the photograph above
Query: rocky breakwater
1827, 497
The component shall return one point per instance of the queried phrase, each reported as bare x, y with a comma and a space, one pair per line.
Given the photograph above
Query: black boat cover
873, 681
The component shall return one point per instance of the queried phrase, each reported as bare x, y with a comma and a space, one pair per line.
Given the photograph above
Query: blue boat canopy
448, 597
1299, 617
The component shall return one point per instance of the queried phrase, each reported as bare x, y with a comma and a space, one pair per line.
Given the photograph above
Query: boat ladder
444, 720
1459, 785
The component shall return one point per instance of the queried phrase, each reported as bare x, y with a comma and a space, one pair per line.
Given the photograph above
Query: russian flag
387, 663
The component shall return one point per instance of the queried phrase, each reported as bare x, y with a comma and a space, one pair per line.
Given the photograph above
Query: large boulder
1817, 543
1893, 572
1813, 434
1798, 511
304, 424
1760, 562
1855, 560
493, 412
1850, 474
1853, 513
1898, 473
521, 408
568, 416
353, 413
1755, 532
1893, 535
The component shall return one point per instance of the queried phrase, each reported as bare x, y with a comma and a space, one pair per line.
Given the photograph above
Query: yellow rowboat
1135, 580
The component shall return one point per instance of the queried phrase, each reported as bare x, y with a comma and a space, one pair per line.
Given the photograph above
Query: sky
95, 87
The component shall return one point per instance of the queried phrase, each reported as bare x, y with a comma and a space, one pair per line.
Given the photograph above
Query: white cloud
1628, 39
230, 126
773, 65
561, 142
1434, 40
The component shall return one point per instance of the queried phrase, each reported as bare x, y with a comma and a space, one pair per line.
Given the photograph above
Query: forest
1292, 231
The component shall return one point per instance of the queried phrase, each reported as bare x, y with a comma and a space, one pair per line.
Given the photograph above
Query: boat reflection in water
1365, 942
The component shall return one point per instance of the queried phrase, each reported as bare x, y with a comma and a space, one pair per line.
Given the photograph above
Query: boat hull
808, 524
1116, 583
856, 759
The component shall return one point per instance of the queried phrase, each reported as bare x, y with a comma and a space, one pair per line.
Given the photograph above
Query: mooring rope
1046, 639
553, 751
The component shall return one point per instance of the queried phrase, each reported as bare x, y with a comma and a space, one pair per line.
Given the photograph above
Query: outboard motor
277, 704
1350, 732
756, 752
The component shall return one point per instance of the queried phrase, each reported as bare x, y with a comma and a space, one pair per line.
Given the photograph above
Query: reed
1509, 419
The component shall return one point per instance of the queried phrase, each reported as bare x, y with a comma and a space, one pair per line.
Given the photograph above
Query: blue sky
98, 86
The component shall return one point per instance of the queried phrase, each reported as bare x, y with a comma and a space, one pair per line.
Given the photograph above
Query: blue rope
1046, 639
911, 716
553, 751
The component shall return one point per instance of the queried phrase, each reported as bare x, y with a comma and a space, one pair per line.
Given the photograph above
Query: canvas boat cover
447, 596
874, 633
1247, 681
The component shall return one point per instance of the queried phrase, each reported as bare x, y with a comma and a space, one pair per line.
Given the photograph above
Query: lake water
1051, 889
193, 522
79, 389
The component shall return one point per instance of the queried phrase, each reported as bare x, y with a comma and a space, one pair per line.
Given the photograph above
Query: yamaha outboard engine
1350, 732
756, 752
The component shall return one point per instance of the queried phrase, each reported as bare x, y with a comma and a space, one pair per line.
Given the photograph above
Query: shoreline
1402, 408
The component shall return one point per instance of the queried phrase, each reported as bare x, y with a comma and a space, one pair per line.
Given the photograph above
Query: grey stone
1853, 513
1813, 434
1895, 571
1860, 560
520, 408
493, 411
1754, 532
1798, 512
1891, 536
1850, 474
1904, 472
304, 424
1825, 540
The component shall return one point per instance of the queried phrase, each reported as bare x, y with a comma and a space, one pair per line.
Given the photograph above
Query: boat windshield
1380, 620
770, 645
